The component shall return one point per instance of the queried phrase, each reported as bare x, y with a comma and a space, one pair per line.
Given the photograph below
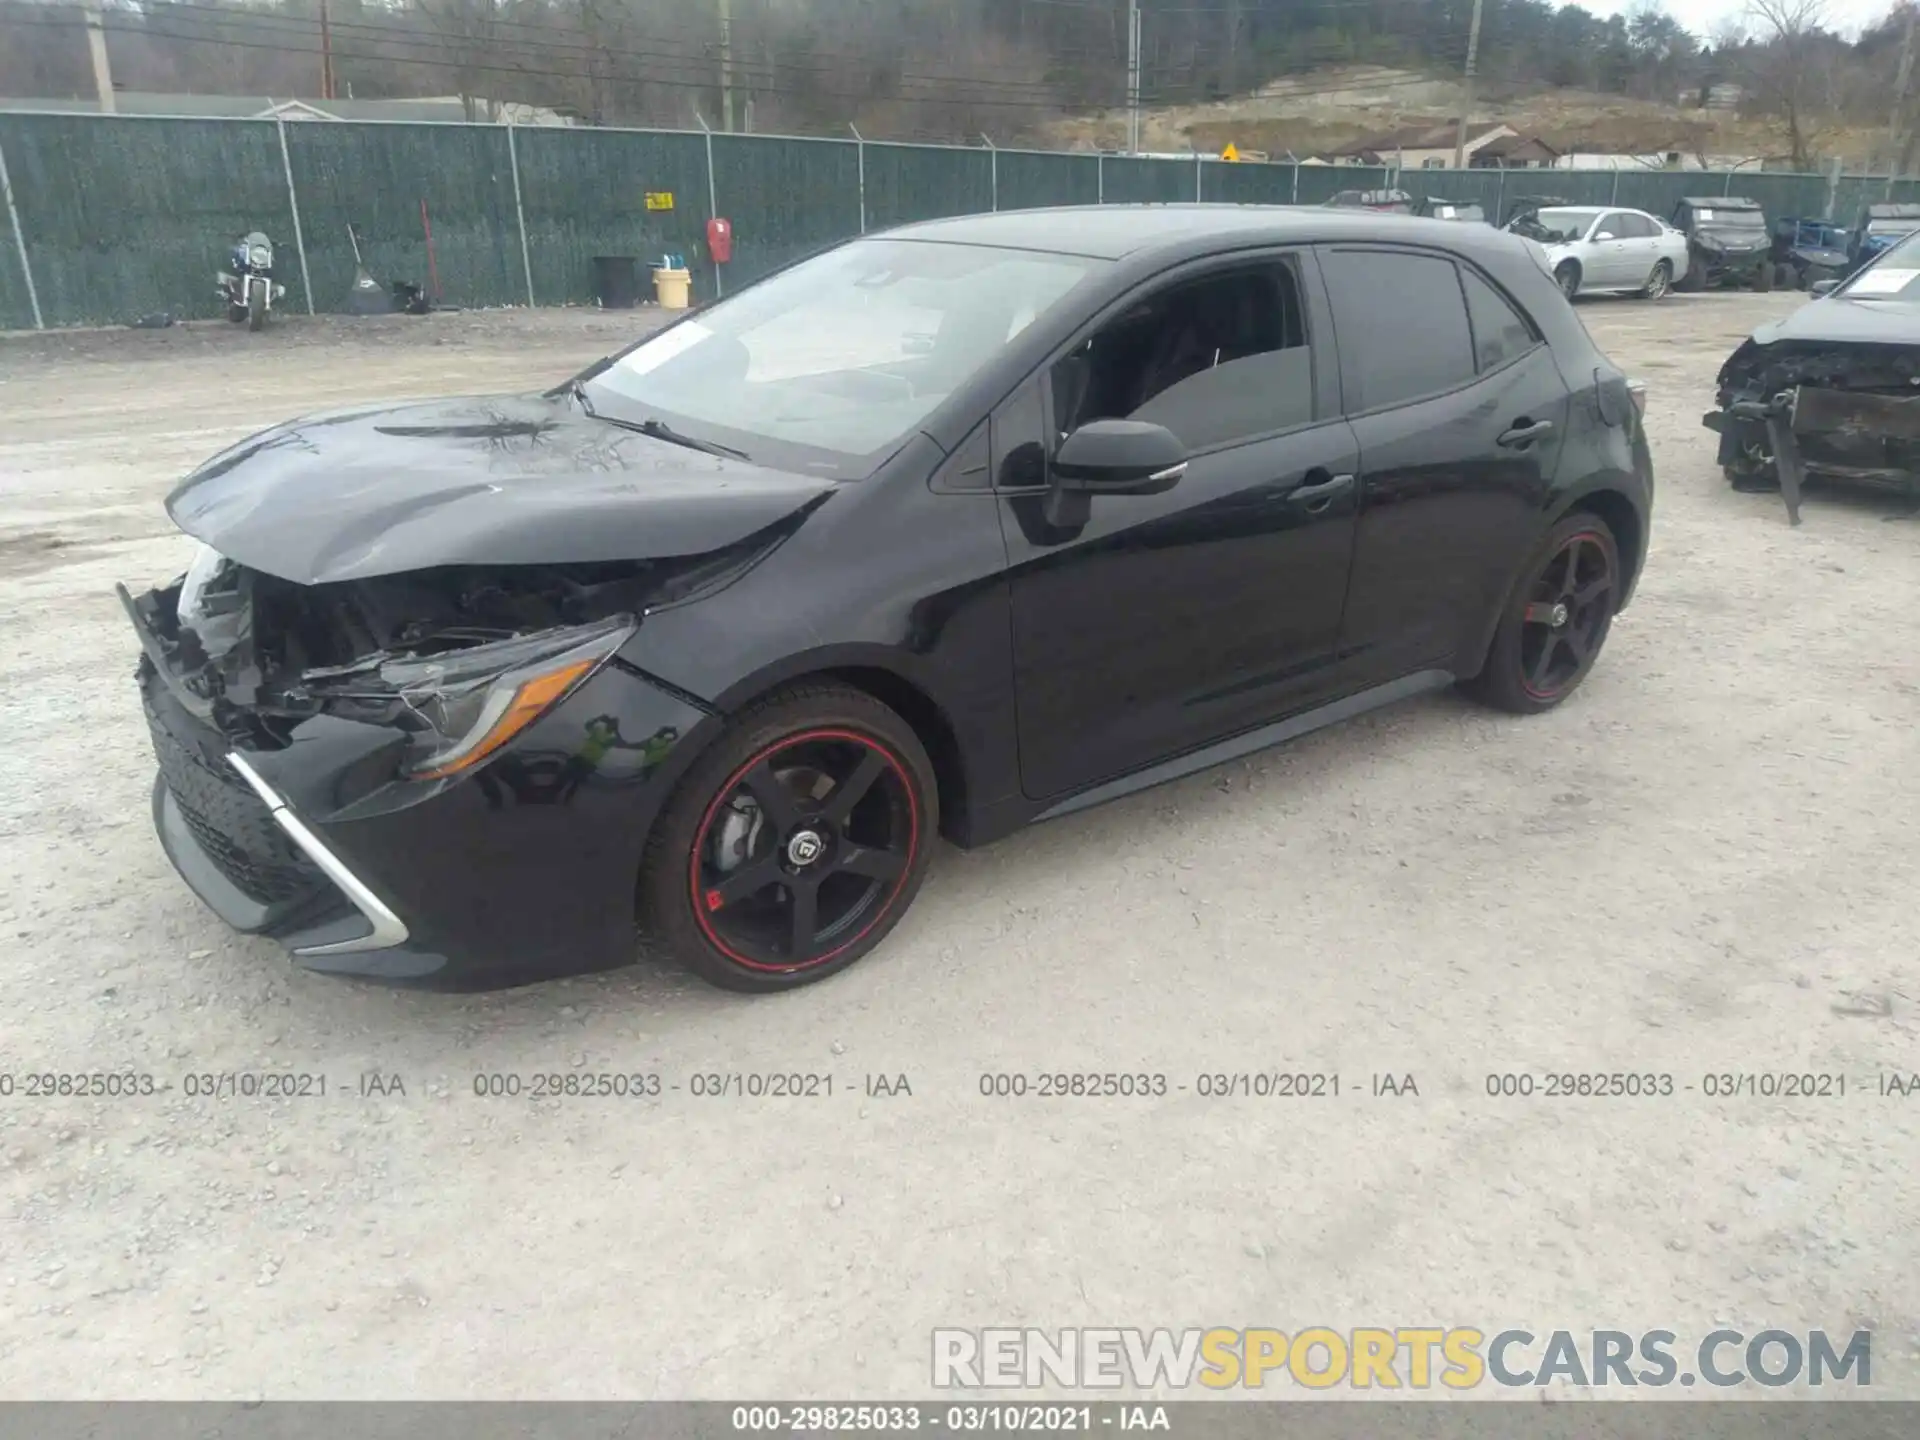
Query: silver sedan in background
1596, 249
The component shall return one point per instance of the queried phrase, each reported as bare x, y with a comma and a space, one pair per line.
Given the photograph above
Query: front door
1164, 622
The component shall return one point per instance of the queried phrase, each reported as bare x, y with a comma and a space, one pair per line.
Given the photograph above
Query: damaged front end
1798, 408
278, 710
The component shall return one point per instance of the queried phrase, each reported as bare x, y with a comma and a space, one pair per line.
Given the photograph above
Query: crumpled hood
1837, 320
487, 480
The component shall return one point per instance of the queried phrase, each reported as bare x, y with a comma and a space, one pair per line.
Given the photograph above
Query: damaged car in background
1832, 391
936, 534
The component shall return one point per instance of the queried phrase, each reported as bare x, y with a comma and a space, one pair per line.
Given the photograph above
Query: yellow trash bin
671, 288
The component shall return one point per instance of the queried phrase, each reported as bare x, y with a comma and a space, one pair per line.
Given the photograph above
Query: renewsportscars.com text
1393, 1358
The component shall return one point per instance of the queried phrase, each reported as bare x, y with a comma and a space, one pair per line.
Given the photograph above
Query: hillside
1303, 114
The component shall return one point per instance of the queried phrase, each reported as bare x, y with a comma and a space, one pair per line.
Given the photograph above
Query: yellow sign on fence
659, 199
1230, 153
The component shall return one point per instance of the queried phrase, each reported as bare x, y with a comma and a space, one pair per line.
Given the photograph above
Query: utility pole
326, 54
97, 44
1466, 99
726, 65
1895, 149
1133, 77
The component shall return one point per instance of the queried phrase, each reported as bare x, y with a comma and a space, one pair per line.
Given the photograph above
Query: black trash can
616, 281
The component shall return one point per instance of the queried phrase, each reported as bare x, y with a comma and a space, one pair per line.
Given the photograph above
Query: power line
405, 40
232, 17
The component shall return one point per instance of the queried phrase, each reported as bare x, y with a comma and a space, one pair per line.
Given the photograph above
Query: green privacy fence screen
113, 217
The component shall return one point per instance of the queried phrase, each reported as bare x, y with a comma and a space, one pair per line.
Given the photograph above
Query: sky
1702, 16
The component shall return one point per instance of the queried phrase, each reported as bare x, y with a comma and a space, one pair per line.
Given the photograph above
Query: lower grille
229, 821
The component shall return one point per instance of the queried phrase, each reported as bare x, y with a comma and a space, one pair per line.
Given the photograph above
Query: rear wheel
1567, 277
795, 845
1763, 276
1557, 620
1659, 282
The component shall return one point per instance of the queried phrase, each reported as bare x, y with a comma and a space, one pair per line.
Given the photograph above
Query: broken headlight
471, 702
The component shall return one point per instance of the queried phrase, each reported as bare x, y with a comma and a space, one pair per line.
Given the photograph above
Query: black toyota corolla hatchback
938, 533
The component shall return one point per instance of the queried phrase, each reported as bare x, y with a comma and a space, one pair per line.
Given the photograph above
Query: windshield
1564, 224
1895, 276
1730, 219
825, 367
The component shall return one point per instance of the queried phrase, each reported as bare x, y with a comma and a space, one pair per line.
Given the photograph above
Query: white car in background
1597, 249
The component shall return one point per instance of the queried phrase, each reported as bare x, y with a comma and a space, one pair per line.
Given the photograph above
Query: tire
1763, 276
698, 897
236, 314
1567, 276
1549, 636
1659, 282
256, 304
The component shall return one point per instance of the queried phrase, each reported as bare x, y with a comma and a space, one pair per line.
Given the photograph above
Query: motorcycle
249, 287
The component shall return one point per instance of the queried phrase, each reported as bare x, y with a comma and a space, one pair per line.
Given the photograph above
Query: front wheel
1659, 282
256, 304
1557, 620
1763, 276
1567, 277
794, 845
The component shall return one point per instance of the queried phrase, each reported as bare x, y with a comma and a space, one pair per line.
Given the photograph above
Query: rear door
1642, 237
1611, 246
1459, 410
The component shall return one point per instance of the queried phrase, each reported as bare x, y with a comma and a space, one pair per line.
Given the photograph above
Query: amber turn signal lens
529, 703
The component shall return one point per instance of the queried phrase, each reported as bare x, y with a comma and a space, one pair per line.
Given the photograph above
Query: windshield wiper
660, 430
654, 429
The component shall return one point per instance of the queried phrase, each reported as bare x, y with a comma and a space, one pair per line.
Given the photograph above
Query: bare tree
1790, 79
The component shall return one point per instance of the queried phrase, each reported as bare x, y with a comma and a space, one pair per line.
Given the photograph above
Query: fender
1617, 488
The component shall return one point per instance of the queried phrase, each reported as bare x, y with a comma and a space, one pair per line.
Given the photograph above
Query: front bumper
1720, 266
523, 870
1819, 430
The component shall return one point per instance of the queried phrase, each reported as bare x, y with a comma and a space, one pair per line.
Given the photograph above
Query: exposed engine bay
254, 655
1800, 407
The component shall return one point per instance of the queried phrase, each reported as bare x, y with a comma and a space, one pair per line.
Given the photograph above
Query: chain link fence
114, 217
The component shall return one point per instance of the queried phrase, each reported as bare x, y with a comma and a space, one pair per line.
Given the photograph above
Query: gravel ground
1703, 863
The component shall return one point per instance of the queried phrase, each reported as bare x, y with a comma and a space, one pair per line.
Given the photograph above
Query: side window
1500, 332
1612, 223
1639, 227
1402, 325
1218, 360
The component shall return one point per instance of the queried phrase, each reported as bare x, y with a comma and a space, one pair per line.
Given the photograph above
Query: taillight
1638, 389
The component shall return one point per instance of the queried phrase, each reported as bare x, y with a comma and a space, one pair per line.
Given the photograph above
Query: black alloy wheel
795, 844
1557, 621
1567, 277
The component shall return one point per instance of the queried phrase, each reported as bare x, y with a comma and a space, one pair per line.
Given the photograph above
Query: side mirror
1823, 287
1119, 457
1604, 235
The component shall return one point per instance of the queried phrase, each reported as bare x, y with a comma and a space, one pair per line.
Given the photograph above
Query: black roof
1720, 202
1112, 232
